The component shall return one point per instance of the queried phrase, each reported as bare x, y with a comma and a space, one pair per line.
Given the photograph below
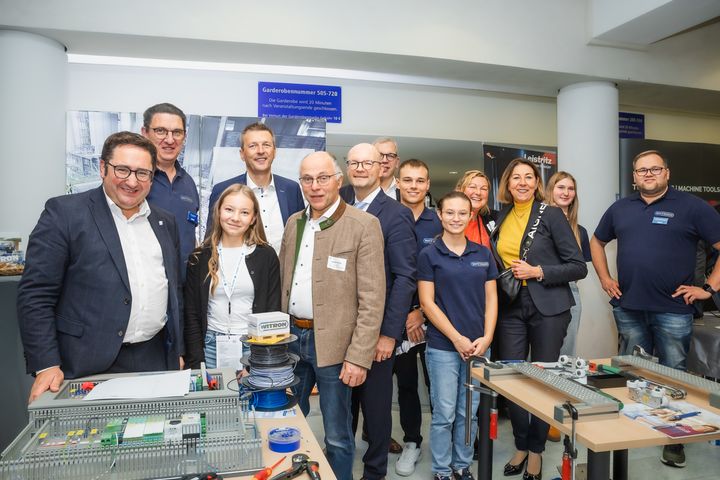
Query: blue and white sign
289, 100
632, 125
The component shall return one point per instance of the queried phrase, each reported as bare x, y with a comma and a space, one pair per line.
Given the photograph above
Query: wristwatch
709, 289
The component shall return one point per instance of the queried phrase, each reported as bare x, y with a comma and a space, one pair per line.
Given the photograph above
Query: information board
298, 100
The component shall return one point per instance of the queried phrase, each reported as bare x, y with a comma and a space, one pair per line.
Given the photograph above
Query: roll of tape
284, 439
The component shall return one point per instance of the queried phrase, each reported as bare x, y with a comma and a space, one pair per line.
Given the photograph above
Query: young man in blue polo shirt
413, 186
657, 230
173, 189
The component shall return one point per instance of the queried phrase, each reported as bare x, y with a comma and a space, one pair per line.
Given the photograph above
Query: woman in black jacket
233, 273
535, 241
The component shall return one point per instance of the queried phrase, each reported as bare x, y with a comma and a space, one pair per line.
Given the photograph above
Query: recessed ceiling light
452, 173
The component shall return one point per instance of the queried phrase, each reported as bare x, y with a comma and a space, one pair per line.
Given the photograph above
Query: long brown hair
573, 208
468, 177
255, 234
504, 195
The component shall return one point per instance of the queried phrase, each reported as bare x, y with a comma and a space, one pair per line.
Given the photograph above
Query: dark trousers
375, 398
147, 356
406, 372
521, 329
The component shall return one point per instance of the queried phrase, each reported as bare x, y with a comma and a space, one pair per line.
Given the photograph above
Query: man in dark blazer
398, 228
101, 287
278, 197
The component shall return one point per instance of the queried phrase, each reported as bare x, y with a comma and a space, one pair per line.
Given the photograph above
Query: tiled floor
703, 459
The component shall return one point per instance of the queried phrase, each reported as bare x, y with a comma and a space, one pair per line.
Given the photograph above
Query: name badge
660, 220
336, 263
229, 351
427, 241
479, 264
193, 218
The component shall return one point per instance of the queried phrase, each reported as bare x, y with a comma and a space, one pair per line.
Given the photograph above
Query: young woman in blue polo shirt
456, 285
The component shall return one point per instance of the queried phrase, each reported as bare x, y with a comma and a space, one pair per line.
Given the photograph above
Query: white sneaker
405, 466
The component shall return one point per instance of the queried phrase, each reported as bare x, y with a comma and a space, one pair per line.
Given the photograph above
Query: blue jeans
666, 335
334, 402
210, 348
447, 428
569, 346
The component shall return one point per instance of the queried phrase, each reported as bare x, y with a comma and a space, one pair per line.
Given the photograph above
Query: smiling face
361, 178
477, 191
455, 215
168, 147
414, 185
237, 214
389, 158
127, 193
564, 193
258, 151
650, 184
522, 183
319, 197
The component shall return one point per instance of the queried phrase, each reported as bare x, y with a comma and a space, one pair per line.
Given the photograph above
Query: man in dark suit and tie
279, 197
398, 228
101, 287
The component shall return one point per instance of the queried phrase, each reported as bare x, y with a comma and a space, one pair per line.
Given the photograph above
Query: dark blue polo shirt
656, 247
181, 199
459, 288
585, 244
427, 227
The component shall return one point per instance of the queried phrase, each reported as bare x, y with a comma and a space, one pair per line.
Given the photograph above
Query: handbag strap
528, 241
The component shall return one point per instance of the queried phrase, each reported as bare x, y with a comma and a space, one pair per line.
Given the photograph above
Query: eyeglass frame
646, 170
308, 181
131, 171
367, 164
389, 156
178, 131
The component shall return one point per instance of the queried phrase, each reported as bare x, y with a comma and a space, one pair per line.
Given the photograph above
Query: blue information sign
632, 125
288, 100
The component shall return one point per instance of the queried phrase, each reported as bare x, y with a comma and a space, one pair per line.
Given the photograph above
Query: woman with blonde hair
476, 186
561, 192
234, 273
534, 244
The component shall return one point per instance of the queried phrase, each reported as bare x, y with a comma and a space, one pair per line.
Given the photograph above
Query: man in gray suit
333, 287
101, 287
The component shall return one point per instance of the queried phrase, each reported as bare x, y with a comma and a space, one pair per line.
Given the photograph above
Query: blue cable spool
284, 439
269, 400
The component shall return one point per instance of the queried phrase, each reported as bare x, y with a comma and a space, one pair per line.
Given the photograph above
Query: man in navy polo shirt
173, 189
414, 185
657, 230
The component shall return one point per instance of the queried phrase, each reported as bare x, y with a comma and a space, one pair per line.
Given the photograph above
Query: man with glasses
333, 287
398, 228
101, 287
173, 189
279, 197
388, 149
657, 229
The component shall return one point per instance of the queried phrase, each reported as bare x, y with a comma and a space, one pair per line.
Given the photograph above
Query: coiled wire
269, 367
269, 355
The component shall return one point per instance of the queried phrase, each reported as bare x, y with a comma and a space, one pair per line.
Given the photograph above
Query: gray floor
703, 459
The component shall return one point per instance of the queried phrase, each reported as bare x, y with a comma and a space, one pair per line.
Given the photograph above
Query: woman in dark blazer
536, 321
234, 272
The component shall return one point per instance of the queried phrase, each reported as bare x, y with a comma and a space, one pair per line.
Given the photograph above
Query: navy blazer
288, 192
264, 269
398, 228
555, 249
74, 297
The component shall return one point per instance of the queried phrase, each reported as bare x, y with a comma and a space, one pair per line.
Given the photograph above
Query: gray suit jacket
347, 305
74, 297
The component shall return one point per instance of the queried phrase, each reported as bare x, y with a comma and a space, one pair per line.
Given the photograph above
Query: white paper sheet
171, 384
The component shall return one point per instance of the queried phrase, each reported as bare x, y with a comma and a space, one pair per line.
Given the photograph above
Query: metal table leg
598, 465
620, 465
485, 443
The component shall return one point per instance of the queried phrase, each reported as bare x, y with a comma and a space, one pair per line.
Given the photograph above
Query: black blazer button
126, 301
120, 333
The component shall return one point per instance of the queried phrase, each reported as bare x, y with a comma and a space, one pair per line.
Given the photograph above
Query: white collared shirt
301, 301
390, 190
269, 212
369, 199
234, 273
146, 273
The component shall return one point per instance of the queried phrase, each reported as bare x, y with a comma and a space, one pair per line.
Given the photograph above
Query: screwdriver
265, 472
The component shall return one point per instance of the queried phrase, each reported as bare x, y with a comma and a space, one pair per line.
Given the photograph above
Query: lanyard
230, 289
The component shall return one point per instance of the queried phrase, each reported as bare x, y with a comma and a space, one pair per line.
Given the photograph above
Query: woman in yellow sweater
536, 242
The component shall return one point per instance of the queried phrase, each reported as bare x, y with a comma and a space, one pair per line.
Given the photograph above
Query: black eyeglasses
367, 164
123, 172
389, 156
654, 170
162, 132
